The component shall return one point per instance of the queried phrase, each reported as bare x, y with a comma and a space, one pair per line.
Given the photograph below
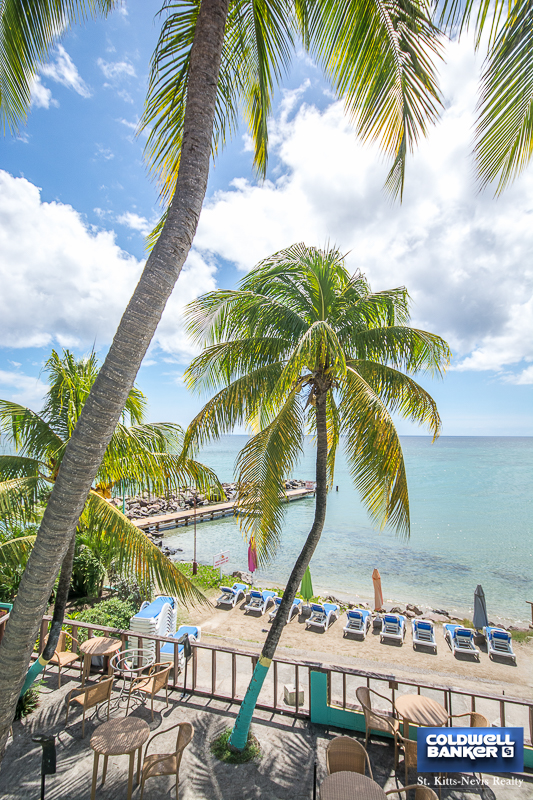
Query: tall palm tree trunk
239, 735
102, 410
58, 616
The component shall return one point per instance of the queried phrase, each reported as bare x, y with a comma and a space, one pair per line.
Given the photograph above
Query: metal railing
223, 673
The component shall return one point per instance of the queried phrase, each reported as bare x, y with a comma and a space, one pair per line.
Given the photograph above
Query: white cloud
115, 70
523, 378
465, 258
23, 389
136, 222
41, 97
65, 283
63, 70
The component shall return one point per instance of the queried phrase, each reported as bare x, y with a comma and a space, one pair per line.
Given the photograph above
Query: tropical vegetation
302, 346
213, 58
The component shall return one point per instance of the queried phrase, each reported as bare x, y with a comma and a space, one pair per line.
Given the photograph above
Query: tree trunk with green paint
239, 736
101, 412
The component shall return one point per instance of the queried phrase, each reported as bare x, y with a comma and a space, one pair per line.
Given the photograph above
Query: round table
350, 786
421, 710
119, 737
123, 661
97, 646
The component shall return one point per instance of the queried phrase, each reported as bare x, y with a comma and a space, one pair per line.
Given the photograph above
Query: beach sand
232, 627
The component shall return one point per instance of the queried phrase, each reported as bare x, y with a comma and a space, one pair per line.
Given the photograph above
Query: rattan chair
62, 657
476, 720
167, 763
151, 684
378, 721
344, 754
409, 755
421, 792
90, 697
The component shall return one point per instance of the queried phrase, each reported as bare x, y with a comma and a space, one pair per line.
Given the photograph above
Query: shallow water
471, 511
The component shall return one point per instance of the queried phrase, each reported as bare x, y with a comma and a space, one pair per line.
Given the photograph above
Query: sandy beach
248, 631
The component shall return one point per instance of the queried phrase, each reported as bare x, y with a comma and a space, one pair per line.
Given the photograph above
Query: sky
76, 202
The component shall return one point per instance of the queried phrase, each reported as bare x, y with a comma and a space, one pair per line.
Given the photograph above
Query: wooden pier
185, 516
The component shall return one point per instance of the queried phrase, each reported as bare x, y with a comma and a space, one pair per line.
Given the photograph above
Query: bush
128, 590
28, 702
206, 577
113, 613
220, 749
87, 573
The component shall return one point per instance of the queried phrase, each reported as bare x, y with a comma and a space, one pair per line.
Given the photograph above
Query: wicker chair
421, 792
62, 657
379, 721
409, 755
167, 763
346, 754
476, 720
151, 684
90, 697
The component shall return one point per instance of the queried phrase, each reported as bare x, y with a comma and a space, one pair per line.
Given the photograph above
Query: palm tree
303, 346
213, 59
140, 457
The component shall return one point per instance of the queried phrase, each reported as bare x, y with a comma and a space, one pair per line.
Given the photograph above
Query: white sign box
220, 559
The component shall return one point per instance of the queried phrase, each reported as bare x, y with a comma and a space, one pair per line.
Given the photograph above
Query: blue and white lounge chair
393, 627
461, 640
424, 633
230, 597
358, 622
154, 618
295, 608
321, 615
499, 642
167, 649
259, 601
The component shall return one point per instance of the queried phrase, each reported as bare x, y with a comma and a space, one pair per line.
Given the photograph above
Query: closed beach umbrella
252, 556
480, 609
306, 589
378, 594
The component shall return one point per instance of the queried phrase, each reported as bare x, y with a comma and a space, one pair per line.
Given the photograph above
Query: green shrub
87, 573
206, 577
220, 749
29, 701
112, 613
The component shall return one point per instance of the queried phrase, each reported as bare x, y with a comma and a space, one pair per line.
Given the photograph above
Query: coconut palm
140, 457
214, 58
303, 346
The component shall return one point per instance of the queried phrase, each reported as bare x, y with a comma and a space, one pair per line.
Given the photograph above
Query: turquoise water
471, 511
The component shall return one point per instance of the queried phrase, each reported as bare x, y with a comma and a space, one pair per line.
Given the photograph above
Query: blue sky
76, 202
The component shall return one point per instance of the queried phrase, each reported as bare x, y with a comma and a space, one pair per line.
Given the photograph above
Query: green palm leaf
14, 552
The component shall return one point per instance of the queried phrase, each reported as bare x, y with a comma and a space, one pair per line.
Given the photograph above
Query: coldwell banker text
470, 749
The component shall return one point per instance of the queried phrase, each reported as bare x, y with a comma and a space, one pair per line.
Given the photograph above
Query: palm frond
28, 31
134, 553
404, 348
504, 131
19, 497
263, 465
14, 552
374, 454
29, 432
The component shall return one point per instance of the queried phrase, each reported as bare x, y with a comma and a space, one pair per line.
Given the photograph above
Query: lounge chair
393, 627
230, 597
461, 640
321, 615
158, 618
358, 622
295, 608
424, 633
167, 649
499, 642
259, 601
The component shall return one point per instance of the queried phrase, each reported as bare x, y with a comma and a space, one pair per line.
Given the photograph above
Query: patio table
97, 646
118, 737
350, 786
123, 662
421, 710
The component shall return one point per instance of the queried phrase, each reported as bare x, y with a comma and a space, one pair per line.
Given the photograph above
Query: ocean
471, 522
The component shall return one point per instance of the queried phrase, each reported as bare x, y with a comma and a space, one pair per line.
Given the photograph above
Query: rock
436, 617
244, 577
417, 612
396, 610
442, 612
409, 614
331, 599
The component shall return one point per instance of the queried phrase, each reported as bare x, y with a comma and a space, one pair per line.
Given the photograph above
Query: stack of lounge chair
424, 633
158, 618
499, 642
460, 640
259, 601
358, 622
295, 608
393, 627
321, 615
230, 596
